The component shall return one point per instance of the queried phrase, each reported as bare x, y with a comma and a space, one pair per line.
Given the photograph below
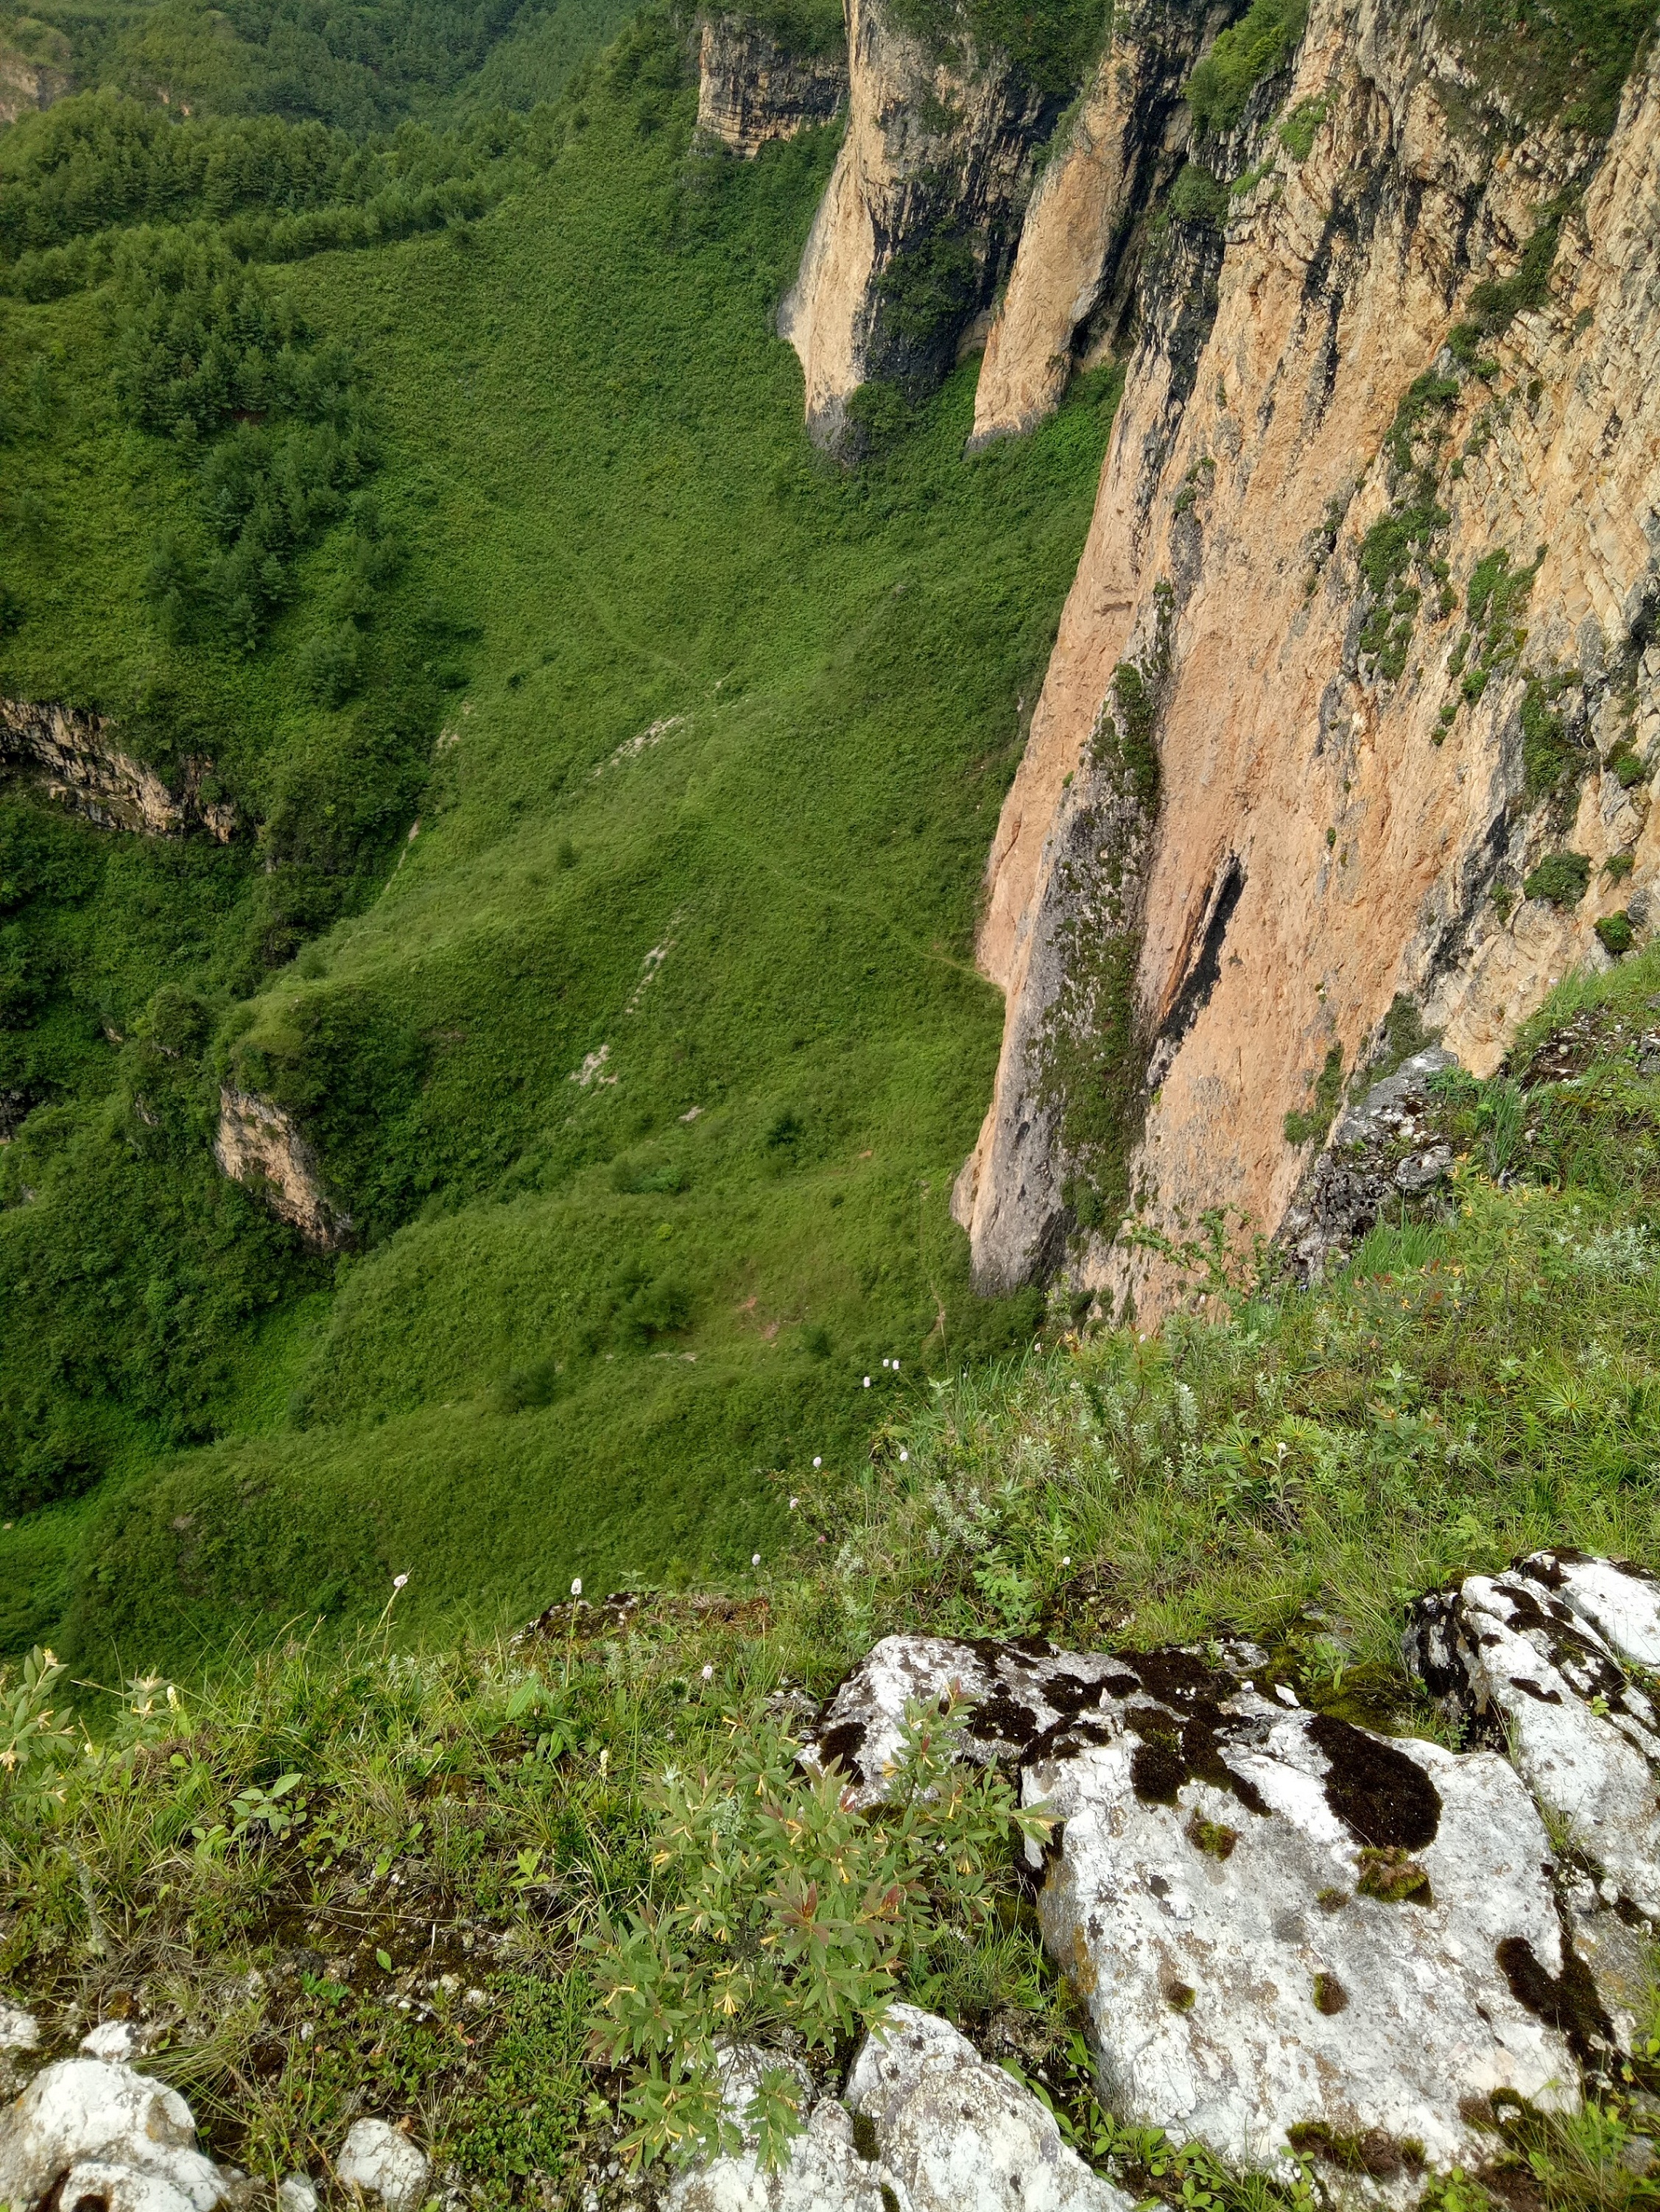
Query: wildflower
896, 1366
398, 1581
794, 1502
1066, 1558
903, 1454
867, 1382
576, 1586
818, 1461
708, 1674
754, 1558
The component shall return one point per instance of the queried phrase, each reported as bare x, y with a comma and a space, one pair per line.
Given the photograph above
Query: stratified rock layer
1273, 785
72, 754
752, 89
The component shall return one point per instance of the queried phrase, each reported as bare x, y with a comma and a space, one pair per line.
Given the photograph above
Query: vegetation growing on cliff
411, 1841
1260, 42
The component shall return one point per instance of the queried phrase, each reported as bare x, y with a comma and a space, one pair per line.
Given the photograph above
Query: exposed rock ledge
751, 90
257, 1143
77, 763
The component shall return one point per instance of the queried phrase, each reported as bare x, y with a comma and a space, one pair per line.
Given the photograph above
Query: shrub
1309, 1124
1197, 197
329, 667
1246, 53
1616, 933
1561, 877
776, 1902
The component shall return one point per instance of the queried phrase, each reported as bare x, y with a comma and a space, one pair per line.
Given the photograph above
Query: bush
1561, 877
1616, 933
329, 669
1197, 197
775, 1902
1250, 50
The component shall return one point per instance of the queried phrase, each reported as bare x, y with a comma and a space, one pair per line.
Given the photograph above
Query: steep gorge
1350, 730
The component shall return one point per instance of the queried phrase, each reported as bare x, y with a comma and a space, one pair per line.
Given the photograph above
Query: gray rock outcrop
1382, 1150
751, 89
946, 2132
1532, 1658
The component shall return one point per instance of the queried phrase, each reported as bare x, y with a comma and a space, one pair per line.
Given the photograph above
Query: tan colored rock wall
937, 161
750, 90
26, 84
257, 1143
73, 755
1324, 837
1123, 143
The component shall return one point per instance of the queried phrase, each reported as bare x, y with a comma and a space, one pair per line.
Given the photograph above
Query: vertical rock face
74, 756
752, 90
258, 1143
1065, 292
28, 82
919, 220
1364, 633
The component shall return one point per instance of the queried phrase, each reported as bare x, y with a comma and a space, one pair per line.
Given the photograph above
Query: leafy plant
1255, 47
775, 1903
1561, 877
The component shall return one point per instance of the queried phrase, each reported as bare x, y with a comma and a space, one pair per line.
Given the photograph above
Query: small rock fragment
111, 2039
87, 2112
297, 2192
19, 2030
377, 2160
957, 2135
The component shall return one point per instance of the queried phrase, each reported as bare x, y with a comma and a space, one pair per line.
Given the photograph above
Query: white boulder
136, 2136
111, 2039
19, 2030
954, 2134
1530, 1658
824, 2173
377, 2161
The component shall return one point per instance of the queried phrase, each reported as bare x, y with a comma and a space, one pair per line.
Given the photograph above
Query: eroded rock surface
919, 220
1382, 1150
944, 2132
1512, 1656
86, 2127
1288, 1931
74, 758
1067, 292
1273, 783
259, 1144
752, 89
376, 2159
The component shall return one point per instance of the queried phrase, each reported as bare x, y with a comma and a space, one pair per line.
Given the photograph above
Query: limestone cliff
752, 89
30, 81
920, 218
1355, 703
1067, 293
259, 1144
73, 755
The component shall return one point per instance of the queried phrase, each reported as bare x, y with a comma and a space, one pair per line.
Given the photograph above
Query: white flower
576, 1586
903, 1454
794, 1502
398, 1581
1066, 1558
754, 1558
817, 1461
896, 1366
867, 1382
708, 1674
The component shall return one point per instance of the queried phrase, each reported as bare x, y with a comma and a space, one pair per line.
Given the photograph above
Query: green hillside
570, 706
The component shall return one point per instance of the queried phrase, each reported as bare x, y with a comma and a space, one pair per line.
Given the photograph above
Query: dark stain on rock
1566, 2001
842, 1745
1382, 1798
1362, 2150
1330, 1997
1532, 1690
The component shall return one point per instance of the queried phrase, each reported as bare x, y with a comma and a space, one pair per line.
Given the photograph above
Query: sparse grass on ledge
1293, 1465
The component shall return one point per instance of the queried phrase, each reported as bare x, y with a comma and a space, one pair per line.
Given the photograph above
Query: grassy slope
1295, 1466
594, 446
